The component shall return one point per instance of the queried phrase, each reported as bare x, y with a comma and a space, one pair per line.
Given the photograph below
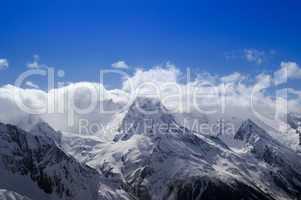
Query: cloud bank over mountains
233, 95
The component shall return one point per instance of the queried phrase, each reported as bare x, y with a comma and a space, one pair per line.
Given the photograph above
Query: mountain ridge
148, 162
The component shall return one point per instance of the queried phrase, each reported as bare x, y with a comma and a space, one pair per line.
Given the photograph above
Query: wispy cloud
254, 56
251, 55
235, 77
35, 63
3, 63
120, 65
32, 85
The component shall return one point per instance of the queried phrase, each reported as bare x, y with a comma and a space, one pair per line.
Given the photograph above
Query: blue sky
82, 37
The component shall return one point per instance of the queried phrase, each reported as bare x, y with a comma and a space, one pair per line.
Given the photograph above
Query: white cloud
31, 84
3, 63
120, 65
12, 97
254, 56
35, 63
288, 70
154, 76
263, 81
294, 91
250, 55
235, 77
165, 82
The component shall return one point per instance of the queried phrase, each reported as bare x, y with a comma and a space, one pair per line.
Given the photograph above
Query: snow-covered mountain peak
146, 116
28, 122
147, 106
43, 129
268, 149
249, 131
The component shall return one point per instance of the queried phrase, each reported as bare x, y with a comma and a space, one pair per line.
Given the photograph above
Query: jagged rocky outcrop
36, 126
43, 129
211, 188
46, 171
284, 163
145, 116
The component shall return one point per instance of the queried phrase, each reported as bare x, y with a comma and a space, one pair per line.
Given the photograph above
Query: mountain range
148, 155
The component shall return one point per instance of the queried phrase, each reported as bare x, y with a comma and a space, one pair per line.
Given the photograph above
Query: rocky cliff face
283, 162
36, 160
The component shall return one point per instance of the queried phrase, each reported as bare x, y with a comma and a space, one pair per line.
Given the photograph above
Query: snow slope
9, 195
35, 166
154, 157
